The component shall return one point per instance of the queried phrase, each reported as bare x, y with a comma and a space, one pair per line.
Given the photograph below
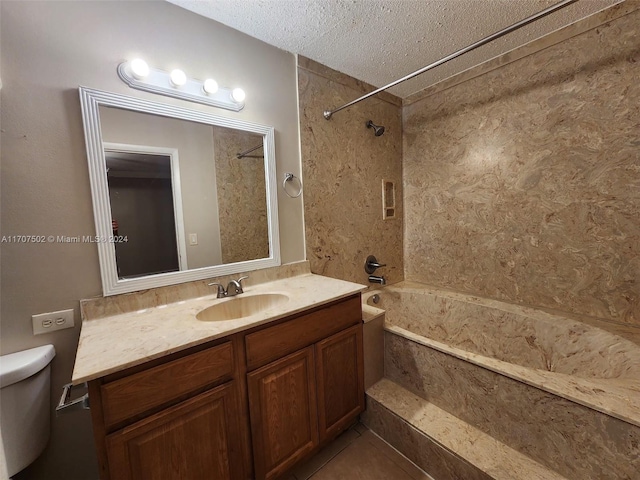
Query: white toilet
25, 411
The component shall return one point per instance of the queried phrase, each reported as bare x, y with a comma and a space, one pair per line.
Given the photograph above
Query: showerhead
378, 130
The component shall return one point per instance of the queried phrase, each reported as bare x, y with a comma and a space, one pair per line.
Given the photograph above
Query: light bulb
210, 86
139, 68
238, 95
178, 78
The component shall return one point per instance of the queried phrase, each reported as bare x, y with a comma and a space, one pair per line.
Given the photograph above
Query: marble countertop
117, 342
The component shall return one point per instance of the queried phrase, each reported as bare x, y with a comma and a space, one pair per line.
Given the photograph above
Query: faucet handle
221, 291
240, 283
372, 264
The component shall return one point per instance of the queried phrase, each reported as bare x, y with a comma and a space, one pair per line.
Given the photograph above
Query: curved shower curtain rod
328, 113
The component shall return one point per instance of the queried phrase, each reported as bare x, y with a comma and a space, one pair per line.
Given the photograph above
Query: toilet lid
15, 367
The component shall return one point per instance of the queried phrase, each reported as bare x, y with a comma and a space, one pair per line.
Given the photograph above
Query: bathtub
568, 358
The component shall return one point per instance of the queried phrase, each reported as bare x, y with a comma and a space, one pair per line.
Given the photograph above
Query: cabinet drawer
275, 342
147, 390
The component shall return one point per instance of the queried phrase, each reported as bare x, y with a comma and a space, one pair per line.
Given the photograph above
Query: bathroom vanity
184, 384
248, 402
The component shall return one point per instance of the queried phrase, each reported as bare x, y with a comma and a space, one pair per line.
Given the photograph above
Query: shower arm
328, 113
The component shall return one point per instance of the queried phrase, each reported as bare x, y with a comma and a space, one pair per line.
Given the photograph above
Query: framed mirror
178, 194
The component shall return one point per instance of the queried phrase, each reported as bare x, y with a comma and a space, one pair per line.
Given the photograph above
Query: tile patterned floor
358, 454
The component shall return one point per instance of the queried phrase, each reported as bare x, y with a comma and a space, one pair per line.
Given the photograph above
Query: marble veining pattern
514, 334
343, 166
568, 358
523, 184
588, 23
424, 452
573, 440
619, 399
242, 196
110, 344
488, 458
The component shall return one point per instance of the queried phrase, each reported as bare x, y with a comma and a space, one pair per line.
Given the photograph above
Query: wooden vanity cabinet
340, 381
191, 440
178, 417
301, 401
283, 411
284, 388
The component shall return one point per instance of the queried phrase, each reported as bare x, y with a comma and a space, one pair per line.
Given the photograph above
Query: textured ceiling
379, 41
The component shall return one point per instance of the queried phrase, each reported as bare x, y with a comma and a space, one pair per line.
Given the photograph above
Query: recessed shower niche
388, 199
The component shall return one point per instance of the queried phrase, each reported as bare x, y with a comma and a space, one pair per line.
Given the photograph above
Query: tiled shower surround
477, 388
520, 184
523, 184
343, 164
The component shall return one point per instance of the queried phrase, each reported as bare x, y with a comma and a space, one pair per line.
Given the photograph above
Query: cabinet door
196, 439
340, 377
282, 407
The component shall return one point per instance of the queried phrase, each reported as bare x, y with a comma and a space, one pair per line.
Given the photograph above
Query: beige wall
194, 142
48, 49
523, 184
343, 165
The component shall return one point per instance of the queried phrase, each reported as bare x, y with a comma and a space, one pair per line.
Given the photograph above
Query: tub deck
580, 362
562, 394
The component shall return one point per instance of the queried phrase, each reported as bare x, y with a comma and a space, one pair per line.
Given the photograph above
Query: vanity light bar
137, 74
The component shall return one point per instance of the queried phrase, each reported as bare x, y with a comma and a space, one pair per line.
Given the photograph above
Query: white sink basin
241, 306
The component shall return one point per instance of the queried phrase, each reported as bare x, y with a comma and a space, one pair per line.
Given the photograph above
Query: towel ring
288, 177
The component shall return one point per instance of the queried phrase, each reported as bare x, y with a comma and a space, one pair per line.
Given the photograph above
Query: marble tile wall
343, 166
593, 21
512, 333
573, 440
373, 346
242, 196
523, 184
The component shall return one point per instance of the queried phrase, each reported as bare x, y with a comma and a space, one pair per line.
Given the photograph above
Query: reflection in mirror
141, 194
158, 165
186, 195
241, 196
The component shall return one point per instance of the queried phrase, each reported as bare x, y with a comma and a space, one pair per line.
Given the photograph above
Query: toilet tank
25, 409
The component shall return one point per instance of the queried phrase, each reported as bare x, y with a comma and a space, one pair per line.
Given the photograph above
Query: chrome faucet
233, 288
370, 266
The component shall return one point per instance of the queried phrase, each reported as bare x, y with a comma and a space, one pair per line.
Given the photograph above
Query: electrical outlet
49, 322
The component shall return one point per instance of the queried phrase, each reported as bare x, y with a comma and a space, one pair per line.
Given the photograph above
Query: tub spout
377, 279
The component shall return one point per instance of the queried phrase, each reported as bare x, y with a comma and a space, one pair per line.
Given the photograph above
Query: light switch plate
52, 321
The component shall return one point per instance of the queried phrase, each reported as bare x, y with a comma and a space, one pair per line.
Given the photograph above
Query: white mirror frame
90, 101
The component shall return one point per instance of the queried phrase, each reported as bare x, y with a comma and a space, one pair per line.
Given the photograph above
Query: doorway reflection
142, 202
